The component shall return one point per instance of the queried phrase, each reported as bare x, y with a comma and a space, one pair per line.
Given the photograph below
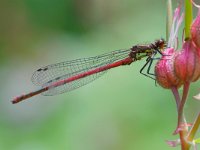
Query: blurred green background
122, 110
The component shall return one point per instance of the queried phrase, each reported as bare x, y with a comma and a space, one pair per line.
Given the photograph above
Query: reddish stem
184, 130
184, 143
181, 106
177, 96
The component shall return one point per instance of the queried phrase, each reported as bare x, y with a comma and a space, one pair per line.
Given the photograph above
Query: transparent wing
45, 76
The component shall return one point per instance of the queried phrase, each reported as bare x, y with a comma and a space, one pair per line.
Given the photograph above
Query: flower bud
164, 70
195, 30
187, 63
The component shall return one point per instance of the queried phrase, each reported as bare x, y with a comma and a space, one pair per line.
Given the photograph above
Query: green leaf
197, 141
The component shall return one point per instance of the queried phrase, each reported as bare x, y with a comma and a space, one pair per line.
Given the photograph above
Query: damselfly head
161, 43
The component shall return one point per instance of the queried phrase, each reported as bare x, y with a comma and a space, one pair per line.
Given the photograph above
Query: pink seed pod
164, 70
195, 30
187, 63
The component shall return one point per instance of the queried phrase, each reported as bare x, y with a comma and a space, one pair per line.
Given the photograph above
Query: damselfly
69, 75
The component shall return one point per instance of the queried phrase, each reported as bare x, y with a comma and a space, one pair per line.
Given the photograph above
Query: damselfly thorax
140, 51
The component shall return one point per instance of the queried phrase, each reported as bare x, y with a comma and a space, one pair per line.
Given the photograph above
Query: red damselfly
69, 75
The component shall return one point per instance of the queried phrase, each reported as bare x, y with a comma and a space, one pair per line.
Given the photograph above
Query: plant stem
184, 144
194, 129
188, 19
169, 18
177, 96
184, 129
181, 106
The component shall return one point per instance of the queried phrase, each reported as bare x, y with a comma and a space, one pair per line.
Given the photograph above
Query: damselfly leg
148, 64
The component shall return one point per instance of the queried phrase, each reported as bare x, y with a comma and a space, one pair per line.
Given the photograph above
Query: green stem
188, 19
193, 130
169, 18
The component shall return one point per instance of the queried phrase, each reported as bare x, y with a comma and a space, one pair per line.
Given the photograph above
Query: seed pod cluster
184, 65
